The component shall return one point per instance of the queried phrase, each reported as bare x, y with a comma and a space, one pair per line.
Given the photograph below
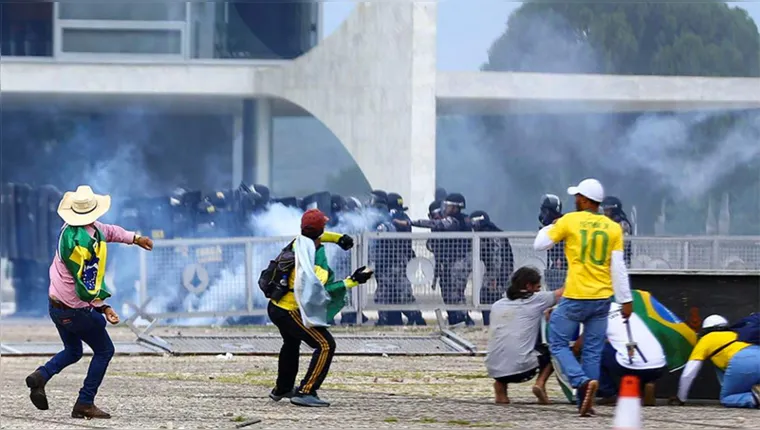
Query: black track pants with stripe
293, 332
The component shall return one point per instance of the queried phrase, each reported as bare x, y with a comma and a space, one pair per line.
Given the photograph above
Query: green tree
623, 37
701, 39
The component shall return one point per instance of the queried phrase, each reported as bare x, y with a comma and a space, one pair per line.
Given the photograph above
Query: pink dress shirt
62, 286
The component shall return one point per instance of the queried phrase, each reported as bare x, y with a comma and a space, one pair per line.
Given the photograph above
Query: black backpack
273, 280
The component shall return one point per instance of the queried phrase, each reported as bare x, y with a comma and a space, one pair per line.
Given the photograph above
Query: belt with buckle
55, 303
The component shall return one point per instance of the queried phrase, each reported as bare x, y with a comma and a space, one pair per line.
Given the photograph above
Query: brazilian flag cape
85, 258
677, 339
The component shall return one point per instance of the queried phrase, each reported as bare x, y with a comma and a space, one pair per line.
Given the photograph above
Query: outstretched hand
111, 316
145, 243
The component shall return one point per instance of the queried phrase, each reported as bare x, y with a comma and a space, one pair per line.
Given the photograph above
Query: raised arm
115, 233
551, 235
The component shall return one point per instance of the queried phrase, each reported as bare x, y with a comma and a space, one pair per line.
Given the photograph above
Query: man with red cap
313, 298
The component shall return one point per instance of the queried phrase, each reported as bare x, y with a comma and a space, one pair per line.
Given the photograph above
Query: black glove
362, 275
346, 242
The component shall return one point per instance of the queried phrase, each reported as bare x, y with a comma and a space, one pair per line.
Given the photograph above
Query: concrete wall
495, 92
372, 83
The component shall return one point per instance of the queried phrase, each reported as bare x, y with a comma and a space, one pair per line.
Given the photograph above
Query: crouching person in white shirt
514, 354
640, 355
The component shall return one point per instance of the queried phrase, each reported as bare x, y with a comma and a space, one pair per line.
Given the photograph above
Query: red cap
313, 220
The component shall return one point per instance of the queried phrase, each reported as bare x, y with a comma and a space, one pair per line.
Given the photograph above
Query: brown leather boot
88, 412
649, 399
36, 383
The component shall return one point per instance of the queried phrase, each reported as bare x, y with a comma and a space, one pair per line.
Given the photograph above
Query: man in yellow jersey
737, 363
289, 316
596, 271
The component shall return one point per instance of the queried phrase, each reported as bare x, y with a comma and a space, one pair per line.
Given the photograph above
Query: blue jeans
612, 372
75, 326
742, 373
564, 324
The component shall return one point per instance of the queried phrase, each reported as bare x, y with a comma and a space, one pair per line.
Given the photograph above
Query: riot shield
291, 202
321, 201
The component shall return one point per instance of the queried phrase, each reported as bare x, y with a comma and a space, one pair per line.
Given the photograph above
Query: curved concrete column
372, 83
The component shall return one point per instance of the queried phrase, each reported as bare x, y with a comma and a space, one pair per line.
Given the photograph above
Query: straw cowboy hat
83, 207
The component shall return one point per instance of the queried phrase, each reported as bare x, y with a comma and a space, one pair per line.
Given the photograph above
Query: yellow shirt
710, 342
589, 241
288, 301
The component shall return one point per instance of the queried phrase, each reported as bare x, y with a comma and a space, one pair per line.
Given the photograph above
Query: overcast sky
466, 28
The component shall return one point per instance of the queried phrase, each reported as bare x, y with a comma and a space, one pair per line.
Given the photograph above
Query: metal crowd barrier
210, 280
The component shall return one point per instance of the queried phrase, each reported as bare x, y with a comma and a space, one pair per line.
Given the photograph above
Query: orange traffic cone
628, 409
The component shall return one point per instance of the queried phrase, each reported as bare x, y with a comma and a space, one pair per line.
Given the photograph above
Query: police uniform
556, 263
613, 208
404, 252
453, 255
383, 255
496, 255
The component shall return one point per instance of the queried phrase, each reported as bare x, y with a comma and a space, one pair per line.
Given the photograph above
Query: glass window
137, 11
122, 41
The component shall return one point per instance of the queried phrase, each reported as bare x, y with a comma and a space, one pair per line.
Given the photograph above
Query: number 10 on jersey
594, 246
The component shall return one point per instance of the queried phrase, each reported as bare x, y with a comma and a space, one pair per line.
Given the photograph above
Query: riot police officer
556, 265
454, 255
613, 209
337, 207
404, 252
496, 255
382, 254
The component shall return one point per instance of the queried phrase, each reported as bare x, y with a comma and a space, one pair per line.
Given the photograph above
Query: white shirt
650, 347
514, 329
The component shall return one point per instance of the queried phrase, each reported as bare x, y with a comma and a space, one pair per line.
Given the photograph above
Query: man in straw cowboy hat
77, 296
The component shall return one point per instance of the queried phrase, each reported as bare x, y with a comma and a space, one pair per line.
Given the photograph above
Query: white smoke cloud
228, 293
503, 165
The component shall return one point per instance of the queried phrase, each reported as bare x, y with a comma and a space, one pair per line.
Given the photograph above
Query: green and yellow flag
85, 257
677, 338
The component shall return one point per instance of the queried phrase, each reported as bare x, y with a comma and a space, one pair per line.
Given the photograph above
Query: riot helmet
454, 203
551, 209
613, 208
395, 201
440, 194
434, 210
337, 203
480, 220
353, 204
378, 199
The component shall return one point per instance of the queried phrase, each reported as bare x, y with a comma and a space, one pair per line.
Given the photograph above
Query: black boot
36, 382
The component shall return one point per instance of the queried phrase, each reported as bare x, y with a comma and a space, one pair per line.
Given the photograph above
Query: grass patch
426, 420
458, 423
391, 420
238, 419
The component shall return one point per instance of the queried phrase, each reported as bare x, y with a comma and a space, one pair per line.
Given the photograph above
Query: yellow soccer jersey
589, 241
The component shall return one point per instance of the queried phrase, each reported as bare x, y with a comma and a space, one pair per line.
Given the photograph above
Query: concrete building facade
373, 83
